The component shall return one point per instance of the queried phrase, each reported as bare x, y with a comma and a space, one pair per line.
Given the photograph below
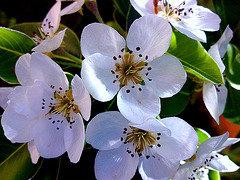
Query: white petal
39, 98
222, 97
51, 22
98, 78
192, 33
48, 139
43, 68
182, 143
72, 8
152, 34
22, 70
208, 146
115, 164
210, 99
17, 127
4, 92
222, 164
153, 125
157, 168
81, 97
203, 19
105, 130
18, 100
168, 76
33, 152
227, 143
139, 104
49, 45
74, 138
214, 52
224, 40
143, 7
181, 173
100, 38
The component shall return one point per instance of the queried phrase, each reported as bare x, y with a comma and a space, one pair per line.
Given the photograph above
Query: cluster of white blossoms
47, 113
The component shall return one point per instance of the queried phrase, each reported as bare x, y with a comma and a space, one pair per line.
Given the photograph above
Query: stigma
61, 104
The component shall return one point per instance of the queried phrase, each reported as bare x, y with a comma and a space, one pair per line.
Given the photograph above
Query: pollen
128, 70
140, 139
64, 105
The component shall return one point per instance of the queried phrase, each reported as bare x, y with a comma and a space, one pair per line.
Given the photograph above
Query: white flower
141, 75
4, 92
207, 158
155, 147
72, 8
50, 40
215, 95
185, 15
44, 111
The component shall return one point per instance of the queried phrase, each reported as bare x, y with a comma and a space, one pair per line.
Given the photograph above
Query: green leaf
132, 15
177, 103
15, 161
202, 135
232, 63
71, 41
228, 10
49, 170
122, 6
232, 108
13, 44
18, 165
214, 175
194, 58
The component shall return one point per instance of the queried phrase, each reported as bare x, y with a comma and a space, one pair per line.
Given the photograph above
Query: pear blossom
138, 76
44, 111
75, 6
49, 39
207, 158
4, 92
185, 15
154, 147
215, 95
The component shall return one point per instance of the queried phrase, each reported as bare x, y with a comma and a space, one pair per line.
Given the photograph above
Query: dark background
19, 11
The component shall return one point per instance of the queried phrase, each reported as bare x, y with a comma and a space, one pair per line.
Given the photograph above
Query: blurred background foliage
193, 110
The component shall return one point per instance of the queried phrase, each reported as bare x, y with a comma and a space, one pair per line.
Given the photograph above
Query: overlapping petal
100, 38
138, 105
105, 130
74, 139
81, 97
168, 76
115, 164
97, 77
152, 34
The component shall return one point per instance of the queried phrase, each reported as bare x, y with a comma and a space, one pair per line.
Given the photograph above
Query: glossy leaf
202, 135
194, 58
15, 161
177, 103
232, 63
214, 175
232, 108
122, 6
13, 44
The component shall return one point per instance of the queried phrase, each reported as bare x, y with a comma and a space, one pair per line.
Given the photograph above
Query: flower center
45, 31
63, 104
140, 141
128, 70
165, 9
198, 173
